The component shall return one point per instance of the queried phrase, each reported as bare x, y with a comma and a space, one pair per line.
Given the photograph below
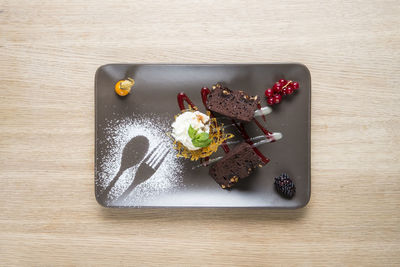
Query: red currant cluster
281, 88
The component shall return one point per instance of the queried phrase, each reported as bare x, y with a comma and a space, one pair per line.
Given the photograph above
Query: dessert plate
134, 157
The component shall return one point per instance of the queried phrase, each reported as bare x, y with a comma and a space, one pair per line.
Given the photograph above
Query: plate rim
300, 206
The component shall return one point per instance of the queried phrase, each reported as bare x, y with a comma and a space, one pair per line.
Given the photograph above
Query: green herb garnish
199, 139
192, 132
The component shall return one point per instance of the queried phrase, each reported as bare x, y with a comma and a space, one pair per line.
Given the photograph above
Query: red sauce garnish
246, 138
267, 133
182, 97
204, 93
225, 147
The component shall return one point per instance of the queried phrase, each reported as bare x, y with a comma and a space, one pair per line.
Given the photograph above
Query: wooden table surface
49, 52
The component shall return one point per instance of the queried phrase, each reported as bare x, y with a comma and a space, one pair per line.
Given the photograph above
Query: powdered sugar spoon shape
132, 154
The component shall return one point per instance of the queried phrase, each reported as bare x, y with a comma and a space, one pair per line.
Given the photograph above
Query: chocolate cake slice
232, 103
235, 165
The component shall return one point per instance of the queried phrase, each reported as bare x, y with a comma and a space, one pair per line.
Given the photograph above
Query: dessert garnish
123, 87
192, 129
197, 135
285, 186
201, 139
280, 88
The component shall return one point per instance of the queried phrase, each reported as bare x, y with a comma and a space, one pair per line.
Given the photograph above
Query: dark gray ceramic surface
155, 91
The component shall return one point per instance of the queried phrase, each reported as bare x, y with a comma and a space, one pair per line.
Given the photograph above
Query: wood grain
49, 51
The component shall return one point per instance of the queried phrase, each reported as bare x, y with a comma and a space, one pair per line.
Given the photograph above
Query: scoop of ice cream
180, 128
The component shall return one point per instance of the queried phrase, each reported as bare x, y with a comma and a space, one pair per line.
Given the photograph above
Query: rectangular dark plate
147, 113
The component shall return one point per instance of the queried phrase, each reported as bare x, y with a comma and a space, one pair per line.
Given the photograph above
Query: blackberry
285, 186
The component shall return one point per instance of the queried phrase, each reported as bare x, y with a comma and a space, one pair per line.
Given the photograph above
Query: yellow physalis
123, 87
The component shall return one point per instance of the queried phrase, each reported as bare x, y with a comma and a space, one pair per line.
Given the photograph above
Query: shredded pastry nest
217, 136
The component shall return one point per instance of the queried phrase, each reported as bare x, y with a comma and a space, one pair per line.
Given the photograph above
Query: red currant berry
289, 89
283, 82
270, 100
284, 91
269, 92
277, 87
295, 85
277, 98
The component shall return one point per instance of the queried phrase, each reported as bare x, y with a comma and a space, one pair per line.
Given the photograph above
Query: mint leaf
192, 132
198, 143
199, 139
202, 137
208, 142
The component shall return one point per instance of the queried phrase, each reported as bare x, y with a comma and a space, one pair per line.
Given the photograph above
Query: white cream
263, 111
180, 127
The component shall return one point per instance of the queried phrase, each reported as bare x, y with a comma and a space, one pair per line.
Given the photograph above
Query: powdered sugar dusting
118, 133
